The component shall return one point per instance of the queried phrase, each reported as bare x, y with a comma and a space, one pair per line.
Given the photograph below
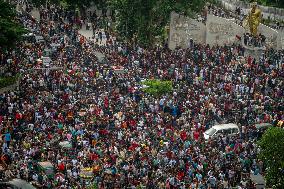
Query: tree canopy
272, 153
157, 87
11, 30
38, 3
144, 20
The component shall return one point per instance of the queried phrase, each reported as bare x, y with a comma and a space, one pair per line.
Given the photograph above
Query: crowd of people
126, 137
254, 41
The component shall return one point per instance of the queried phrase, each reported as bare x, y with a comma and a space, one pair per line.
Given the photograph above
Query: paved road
87, 33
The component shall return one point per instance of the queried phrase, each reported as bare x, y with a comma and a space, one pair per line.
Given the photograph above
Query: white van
229, 129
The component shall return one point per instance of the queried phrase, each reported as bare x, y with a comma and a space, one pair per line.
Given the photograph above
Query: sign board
222, 31
118, 69
39, 38
183, 30
46, 60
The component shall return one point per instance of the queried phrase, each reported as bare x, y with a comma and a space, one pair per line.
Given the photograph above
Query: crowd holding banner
98, 126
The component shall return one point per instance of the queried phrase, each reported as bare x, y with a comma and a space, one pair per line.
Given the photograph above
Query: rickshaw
47, 168
109, 178
86, 175
67, 149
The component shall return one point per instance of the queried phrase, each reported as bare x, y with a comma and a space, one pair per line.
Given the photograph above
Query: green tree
82, 4
157, 87
38, 3
11, 30
146, 19
272, 153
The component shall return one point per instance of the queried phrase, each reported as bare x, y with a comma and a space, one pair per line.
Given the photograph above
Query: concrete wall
182, 29
216, 31
222, 31
281, 37
272, 36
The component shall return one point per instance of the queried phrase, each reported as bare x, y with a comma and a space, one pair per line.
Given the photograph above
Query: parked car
222, 129
16, 184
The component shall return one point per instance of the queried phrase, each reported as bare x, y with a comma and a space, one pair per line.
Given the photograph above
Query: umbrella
87, 172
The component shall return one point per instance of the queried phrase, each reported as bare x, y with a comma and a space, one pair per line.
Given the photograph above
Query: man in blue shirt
7, 138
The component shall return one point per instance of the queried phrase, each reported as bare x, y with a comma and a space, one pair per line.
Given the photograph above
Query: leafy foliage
10, 30
157, 87
272, 153
143, 20
7, 81
101, 4
39, 3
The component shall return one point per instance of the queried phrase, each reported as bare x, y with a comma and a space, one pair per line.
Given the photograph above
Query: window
235, 131
210, 131
220, 132
227, 131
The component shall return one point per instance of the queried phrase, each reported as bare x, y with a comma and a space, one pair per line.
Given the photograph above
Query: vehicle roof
222, 126
259, 125
21, 184
45, 164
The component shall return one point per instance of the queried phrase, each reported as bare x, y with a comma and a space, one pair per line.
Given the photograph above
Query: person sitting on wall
254, 41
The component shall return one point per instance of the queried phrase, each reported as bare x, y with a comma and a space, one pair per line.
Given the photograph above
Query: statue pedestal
254, 52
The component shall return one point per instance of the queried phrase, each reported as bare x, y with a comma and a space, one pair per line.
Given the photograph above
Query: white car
229, 129
17, 184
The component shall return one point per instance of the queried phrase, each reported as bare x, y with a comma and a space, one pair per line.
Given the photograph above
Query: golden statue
254, 18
